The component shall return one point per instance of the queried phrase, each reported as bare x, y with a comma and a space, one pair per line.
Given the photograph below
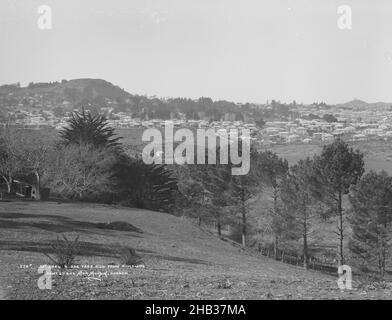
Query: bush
119, 226
65, 252
129, 257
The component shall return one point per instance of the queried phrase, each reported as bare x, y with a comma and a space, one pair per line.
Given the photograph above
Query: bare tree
35, 153
80, 171
23, 152
9, 156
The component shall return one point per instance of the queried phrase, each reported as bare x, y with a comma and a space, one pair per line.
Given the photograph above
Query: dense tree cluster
329, 186
85, 163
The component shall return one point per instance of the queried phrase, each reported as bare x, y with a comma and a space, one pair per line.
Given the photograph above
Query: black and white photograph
195, 155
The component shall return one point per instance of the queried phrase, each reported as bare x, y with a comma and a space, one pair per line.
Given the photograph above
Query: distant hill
97, 94
64, 96
90, 88
360, 104
93, 88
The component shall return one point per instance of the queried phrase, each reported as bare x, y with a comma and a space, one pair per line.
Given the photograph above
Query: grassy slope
182, 261
378, 153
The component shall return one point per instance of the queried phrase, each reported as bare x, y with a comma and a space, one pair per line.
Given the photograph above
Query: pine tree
83, 128
298, 202
273, 171
213, 183
371, 221
337, 169
149, 186
245, 187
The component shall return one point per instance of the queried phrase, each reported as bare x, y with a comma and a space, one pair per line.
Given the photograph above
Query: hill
64, 96
99, 95
360, 104
88, 87
181, 260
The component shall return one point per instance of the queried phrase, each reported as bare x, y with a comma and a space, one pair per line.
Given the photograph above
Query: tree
338, 168
297, 199
148, 186
3, 116
273, 171
83, 128
8, 156
260, 123
35, 152
208, 189
329, 118
192, 201
23, 152
81, 171
215, 179
245, 187
371, 220
58, 111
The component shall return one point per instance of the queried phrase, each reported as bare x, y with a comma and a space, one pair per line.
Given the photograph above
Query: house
23, 189
327, 137
29, 191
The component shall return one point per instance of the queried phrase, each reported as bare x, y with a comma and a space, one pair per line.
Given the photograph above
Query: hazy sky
226, 49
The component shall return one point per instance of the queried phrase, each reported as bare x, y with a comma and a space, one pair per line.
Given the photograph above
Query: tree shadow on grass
89, 249
18, 215
60, 224
12, 220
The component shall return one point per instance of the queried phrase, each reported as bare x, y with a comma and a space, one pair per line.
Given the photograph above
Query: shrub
129, 257
65, 252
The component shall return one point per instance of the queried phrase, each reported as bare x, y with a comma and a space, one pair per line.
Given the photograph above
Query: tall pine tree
298, 202
371, 221
337, 169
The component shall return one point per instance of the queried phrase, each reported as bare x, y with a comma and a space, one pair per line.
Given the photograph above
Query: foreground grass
181, 260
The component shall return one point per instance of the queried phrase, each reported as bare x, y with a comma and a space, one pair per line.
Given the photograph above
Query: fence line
286, 257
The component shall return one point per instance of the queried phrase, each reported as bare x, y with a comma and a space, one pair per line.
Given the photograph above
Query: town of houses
353, 124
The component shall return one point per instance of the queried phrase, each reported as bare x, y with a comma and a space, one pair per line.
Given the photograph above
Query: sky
242, 51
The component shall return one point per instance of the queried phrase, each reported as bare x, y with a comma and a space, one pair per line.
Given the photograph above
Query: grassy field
181, 260
377, 153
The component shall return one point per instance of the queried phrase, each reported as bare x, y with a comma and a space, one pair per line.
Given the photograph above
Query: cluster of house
315, 131
350, 126
353, 125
